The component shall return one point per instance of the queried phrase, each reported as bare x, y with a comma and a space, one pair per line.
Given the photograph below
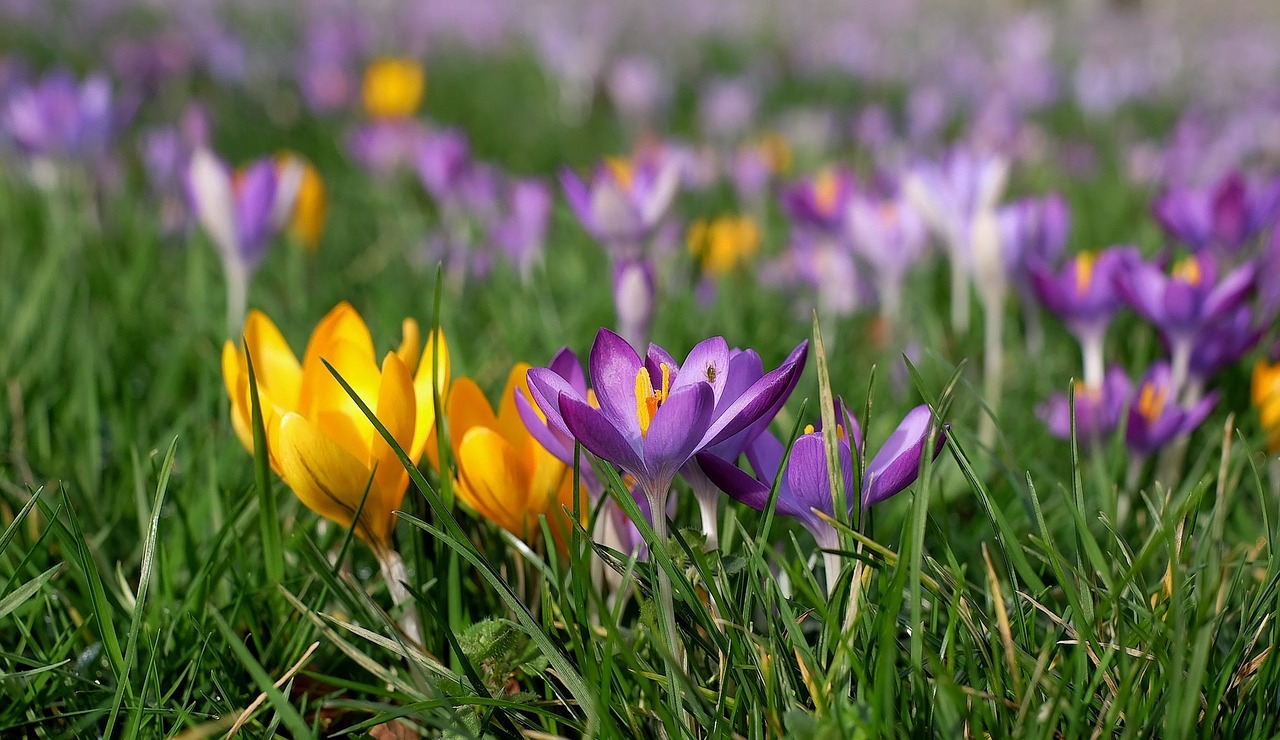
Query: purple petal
255, 194
677, 430
707, 362
614, 367
604, 440
764, 396
897, 464
547, 387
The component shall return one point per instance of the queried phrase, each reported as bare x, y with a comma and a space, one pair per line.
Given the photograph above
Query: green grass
996, 598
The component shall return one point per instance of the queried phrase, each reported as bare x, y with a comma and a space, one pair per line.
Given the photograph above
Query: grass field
160, 580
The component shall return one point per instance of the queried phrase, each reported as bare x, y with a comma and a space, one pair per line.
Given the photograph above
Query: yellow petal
343, 323
310, 209
393, 88
467, 408
410, 342
509, 423
327, 478
430, 365
274, 364
494, 480
397, 411
237, 391
326, 403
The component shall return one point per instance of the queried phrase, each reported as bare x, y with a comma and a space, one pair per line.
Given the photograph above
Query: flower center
622, 171
1151, 402
826, 191
1188, 270
648, 399
1084, 271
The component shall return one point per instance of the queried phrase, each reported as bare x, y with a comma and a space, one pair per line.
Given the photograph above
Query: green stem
666, 603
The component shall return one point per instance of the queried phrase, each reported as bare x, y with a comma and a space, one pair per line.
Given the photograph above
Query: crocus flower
1033, 231
326, 70
443, 159
1265, 394
1228, 214
1182, 303
758, 164
504, 473
1083, 294
820, 202
59, 117
889, 236
1155, 416
1097, 409
804, 490
948, 194
722, 244
393, 88
1222, 344
236, 212
639, 89
318, 440
521, 233
624, 201
726, 107
652, 415
302, 202
386, 146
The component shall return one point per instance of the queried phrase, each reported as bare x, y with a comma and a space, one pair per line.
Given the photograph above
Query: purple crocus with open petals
1097, 409
804, 490
624, 201
652, 414
1155, 416
1083, 294
60, 117
1033, 231
820, 202
1182, 303
1227, 214
888, 235
1222, 344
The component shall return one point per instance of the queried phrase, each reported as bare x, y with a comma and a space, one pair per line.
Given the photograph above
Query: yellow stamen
1085, 262
826, 190
623, 172
808, 429
1188, 270
1151, 402
647, 399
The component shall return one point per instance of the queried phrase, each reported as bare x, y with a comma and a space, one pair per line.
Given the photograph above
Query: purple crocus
522, 232
443, 159
1033, 233
1155, 416
888, 235
1221, 345
1227, 215
653, 415
1084, 296
236, 212
1185, 301
1097, 409
59, 117
804, 490
820, 202
624, 201
385, 147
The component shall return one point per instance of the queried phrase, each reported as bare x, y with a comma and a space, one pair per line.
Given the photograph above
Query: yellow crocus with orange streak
504, 474
393, 88
310, 201
318, 441
724, 243
1266, 398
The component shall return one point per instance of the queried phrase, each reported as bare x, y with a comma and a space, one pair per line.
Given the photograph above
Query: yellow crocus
724, 243
1266, 398
504, 474
393, 88
318, 440
309, 207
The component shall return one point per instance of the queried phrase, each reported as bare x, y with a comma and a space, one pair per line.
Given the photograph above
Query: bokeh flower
1156, 417
1265, 394
393, 88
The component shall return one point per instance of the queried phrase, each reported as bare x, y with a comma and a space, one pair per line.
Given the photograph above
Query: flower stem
666, 603
831, 566
1094, 365
993, 365
710, 526
1179, 364
395, 575
959, 295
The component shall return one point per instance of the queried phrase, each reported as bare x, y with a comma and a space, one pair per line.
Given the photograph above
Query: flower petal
494, 481
274, 364
593, 429
326, 478
897, 464
614, 366
677, 430
467, 408
762, 399
398, 413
